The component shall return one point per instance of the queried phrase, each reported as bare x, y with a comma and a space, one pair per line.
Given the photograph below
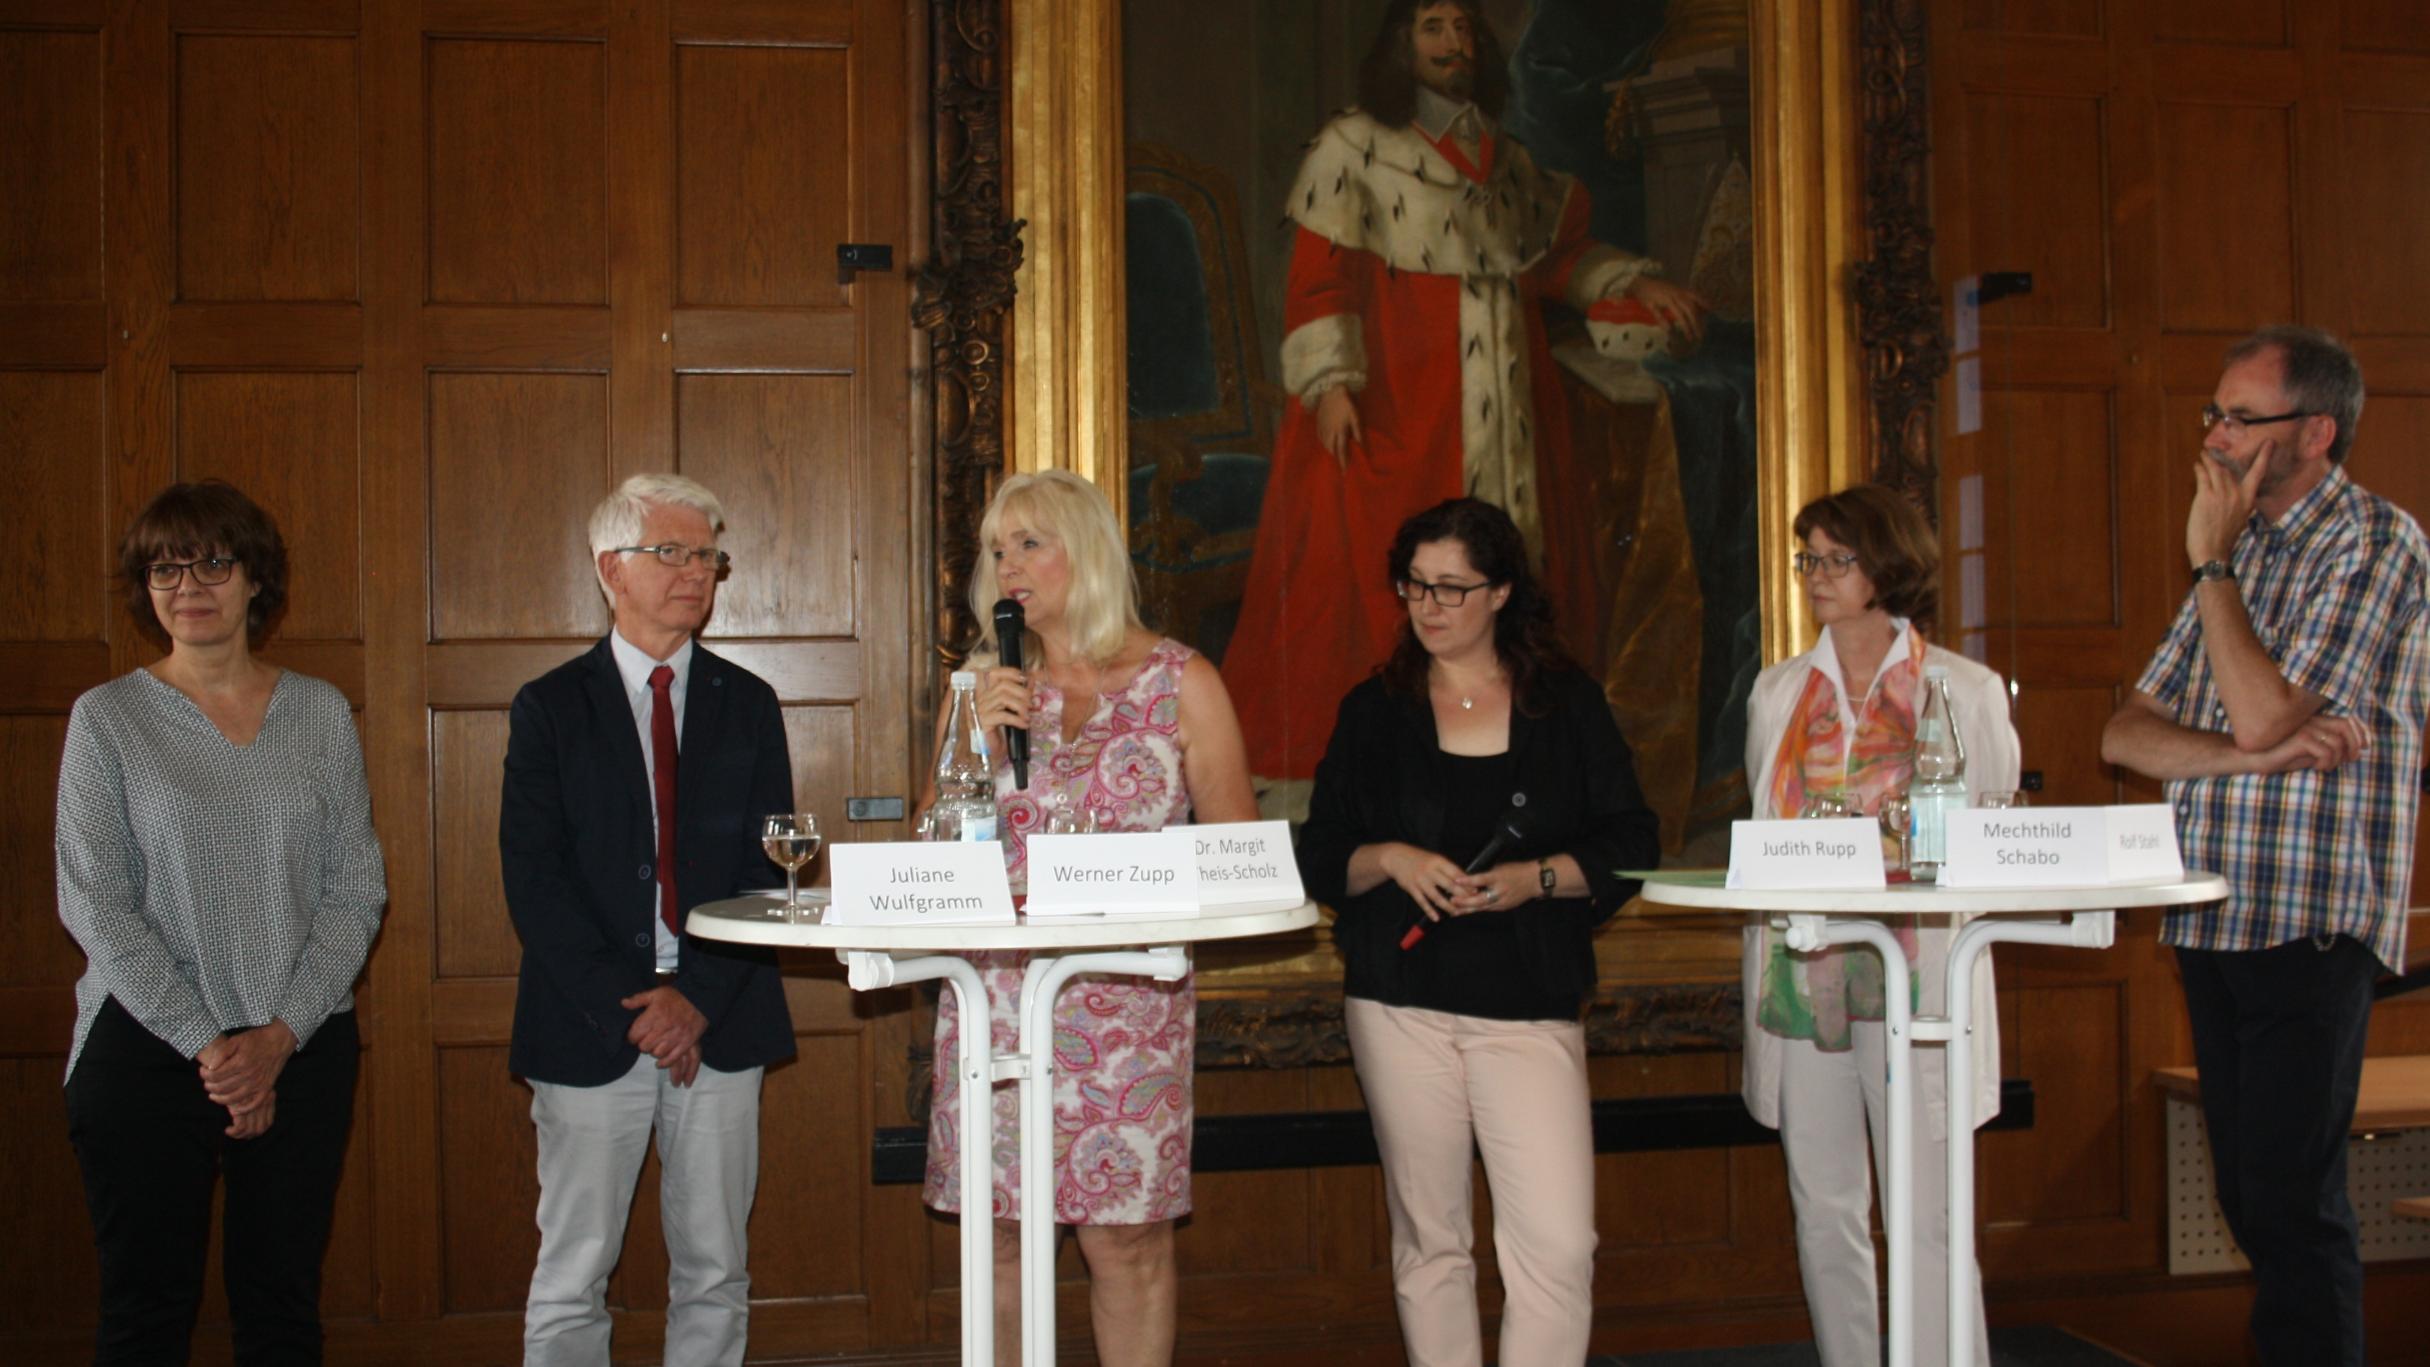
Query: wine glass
1894, 813
1064, 821
792, 840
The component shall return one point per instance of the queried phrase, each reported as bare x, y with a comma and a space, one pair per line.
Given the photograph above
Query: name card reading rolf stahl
2061, 847
1141, 873
1243, 862
1806, 855
919, 883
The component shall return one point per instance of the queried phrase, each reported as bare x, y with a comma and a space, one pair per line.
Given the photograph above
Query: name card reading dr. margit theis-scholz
1815, 855
2061, 847
919, 883
1240, 862
1130, 873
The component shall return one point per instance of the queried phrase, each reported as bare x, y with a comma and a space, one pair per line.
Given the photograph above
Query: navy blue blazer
578, 854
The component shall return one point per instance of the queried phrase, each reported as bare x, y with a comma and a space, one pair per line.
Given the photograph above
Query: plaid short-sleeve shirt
2335, 591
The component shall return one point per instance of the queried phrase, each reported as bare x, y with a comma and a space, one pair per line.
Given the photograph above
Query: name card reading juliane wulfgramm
1242, 862
1130, 873
1806, 855
2046, 847
919, 883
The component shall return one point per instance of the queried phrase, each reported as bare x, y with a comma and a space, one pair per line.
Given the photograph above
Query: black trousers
2278, 1036
151, 1146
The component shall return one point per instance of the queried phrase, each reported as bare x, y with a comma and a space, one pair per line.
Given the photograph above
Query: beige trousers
1435, 1084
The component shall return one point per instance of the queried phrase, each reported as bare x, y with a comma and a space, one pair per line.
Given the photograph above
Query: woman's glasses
1444, 595
166, 574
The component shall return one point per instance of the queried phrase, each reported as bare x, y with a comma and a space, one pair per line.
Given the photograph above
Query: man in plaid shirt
2285, 712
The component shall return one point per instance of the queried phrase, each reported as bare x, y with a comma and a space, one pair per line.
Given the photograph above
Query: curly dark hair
1523, 636
1894, 545
1387, 79
190, 521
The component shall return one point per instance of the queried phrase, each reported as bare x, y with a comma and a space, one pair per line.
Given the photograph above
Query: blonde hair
1104, 603
618, 519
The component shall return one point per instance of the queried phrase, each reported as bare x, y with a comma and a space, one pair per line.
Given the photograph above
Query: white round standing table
2085, 917
887, 956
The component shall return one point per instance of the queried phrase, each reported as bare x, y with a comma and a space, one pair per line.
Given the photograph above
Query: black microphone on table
1510, 830
1011, 625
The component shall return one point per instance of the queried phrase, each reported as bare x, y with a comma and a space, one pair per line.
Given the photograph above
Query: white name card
2143, 844
919, 883
1806, 855
1130, 873
1246, 861
2026, 847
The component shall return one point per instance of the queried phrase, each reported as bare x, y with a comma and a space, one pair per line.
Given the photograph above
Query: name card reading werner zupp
1131, 873
919, 883
1246, 861
1806, 855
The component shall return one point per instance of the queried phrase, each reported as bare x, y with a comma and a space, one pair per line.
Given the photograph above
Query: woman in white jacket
1840, 719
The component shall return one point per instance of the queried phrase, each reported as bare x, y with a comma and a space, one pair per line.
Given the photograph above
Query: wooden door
428, 279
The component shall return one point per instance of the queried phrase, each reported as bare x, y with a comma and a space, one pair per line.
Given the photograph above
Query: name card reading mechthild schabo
1246, 861
1129, 873
1806, 855
919, 883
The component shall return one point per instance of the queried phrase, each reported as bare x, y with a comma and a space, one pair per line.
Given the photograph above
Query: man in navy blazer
623, 1025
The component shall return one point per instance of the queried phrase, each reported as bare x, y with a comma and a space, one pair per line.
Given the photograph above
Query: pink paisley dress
1123, 1045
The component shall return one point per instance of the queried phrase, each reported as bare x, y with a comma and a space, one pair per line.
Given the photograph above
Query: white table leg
975, 1069
1041, 983
2085, 930
1811, 932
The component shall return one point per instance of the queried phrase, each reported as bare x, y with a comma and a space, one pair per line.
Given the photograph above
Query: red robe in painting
1423, 292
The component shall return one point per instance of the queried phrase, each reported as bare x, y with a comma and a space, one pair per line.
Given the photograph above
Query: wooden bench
2395, 1095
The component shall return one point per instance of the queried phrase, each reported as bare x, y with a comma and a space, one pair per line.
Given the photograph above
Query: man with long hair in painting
1414, 352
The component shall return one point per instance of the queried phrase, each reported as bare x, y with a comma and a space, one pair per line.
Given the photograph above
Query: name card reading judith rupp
919, 883
1806, 855
2061, 847
1130, 873
1240, 862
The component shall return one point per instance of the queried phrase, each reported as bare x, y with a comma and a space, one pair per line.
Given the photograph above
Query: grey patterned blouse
215, 886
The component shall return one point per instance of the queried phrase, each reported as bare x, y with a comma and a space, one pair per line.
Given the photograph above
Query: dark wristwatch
1544, 876
2209, 570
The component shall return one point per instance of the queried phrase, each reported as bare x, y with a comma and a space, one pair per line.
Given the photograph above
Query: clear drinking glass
1894, 813
792, 840
1064, 821
1823, 807
2000, 798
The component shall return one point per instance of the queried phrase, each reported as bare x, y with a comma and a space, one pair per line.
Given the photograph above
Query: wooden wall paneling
473, 935
2060, 18
489, 1184
2227, 236
2047, 485
292, 441
34, 947
820, 742
50, 1292
2383, 26
516, 461
768, 444
269, 167
2382, 168
1250, 1222
2048, 150
139, 270
517, 136
2218, 23
403, 1085
54, 566
2058, 727
641, 238
761, 210
50, 158
807, 1228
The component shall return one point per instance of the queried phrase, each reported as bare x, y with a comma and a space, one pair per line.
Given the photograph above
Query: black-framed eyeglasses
2215, 416
1444, 595
210, 570
675, 555
1834, 566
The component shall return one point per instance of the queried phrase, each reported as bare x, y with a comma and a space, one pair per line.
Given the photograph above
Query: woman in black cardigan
1477, 744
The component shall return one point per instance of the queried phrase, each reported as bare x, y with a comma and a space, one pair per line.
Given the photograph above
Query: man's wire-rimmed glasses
2215, 416
675, 555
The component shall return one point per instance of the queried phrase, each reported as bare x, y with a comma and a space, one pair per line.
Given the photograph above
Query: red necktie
662, 777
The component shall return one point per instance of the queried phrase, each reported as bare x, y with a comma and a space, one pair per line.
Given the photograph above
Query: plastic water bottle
1939, 782
966, 781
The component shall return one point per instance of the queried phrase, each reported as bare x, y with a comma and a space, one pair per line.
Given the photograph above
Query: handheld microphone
1509, 831
1011, 624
